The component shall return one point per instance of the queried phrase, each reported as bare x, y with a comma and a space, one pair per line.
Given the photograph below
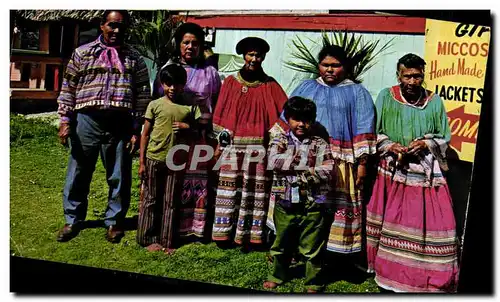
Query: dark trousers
304, 226
92, 133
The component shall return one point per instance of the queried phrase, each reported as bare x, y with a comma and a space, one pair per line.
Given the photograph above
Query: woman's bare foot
155, 247
270, 285
311, 291
169, 251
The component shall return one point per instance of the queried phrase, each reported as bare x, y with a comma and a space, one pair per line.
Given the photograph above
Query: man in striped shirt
102, 102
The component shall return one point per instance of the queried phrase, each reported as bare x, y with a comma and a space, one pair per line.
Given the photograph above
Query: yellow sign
456, 56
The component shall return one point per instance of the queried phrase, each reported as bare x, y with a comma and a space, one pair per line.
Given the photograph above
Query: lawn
37, 171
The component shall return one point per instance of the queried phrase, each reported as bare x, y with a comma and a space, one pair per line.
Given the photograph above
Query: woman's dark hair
338, 53
190, 28
173, 74
124, 13
411, 60
300, 108
334, 51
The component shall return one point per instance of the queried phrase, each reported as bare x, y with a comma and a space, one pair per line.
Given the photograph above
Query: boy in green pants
303, 175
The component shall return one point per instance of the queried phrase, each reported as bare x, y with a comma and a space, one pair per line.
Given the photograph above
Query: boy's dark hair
173, 74
411, 60
300, 108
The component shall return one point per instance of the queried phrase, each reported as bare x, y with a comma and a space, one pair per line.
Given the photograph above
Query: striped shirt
317, 175
89, 83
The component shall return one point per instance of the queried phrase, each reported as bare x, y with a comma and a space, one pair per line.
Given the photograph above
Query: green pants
301, 225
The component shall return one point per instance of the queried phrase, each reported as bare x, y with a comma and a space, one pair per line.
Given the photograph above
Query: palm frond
360, 53
152, 36
308, 62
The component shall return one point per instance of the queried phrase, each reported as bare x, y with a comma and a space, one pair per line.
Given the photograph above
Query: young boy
303, 175
165, 122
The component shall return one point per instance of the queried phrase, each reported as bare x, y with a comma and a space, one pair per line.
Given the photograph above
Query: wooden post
44, 37
56, 78
41, 75
33, 78
76, 36
61, 40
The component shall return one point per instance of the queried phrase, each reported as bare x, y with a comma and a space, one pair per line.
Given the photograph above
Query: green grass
38, 167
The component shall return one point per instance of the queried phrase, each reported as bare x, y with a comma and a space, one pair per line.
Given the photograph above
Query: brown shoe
68, 232
114, 234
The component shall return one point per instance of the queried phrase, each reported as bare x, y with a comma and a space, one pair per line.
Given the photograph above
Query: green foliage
360, 53
22, 128
152, 35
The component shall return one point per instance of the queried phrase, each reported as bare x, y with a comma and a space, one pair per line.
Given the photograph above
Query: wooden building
40, 46
280, 28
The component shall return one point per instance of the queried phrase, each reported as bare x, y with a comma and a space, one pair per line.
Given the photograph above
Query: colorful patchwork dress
411, 237
247, 111
347, 112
